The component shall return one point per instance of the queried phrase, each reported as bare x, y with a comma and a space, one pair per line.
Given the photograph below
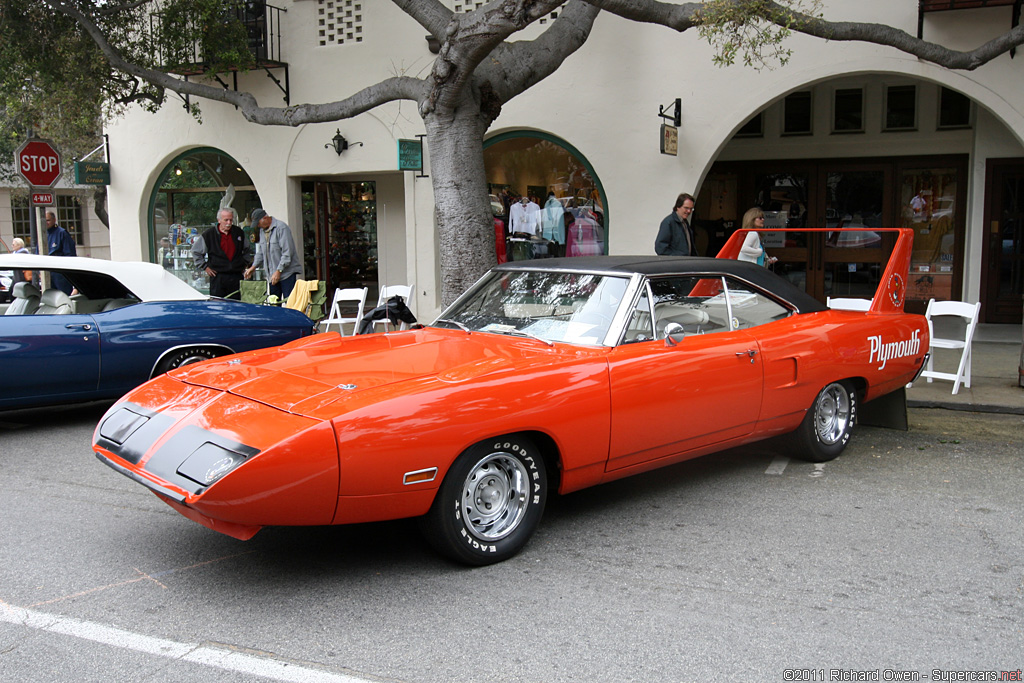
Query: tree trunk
465, 224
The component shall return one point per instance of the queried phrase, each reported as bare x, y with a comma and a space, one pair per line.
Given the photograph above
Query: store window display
547, 195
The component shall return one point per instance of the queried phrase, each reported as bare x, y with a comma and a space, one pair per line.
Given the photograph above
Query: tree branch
535, 60
686, 16
389, 90
881, 34
430, 14
677, 17
470, 38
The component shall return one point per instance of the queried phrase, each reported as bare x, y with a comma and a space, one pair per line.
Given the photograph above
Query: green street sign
92, 173
410, 155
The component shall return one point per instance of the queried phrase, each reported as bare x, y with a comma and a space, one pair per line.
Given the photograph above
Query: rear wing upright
892, 288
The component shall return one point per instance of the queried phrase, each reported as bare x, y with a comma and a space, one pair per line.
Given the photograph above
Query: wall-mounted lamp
339, 143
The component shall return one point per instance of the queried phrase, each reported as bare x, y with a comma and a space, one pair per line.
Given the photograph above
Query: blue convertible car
123, 324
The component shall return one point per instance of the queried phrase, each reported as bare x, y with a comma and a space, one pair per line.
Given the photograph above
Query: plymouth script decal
882, 353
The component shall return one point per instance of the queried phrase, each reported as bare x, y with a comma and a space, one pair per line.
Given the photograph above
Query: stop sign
38, 162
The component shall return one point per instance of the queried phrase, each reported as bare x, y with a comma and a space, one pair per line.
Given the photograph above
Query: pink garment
583, 238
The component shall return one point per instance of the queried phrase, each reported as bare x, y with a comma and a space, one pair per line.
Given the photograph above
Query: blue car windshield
575, 308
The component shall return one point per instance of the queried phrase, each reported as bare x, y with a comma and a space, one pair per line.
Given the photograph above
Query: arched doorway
867, 151
546, 195
188, 193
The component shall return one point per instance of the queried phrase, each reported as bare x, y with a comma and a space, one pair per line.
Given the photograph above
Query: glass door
785, 199
929, 204
344, 243
1005, 244
851, 262
925, 193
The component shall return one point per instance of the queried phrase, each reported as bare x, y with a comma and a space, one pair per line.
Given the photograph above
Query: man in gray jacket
276, 253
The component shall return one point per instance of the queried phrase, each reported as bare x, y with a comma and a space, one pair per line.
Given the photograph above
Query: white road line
778, 465
221, 658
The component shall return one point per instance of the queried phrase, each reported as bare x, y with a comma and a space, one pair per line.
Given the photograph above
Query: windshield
576, 308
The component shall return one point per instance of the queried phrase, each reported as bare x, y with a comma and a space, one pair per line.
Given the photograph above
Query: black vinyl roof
655, 266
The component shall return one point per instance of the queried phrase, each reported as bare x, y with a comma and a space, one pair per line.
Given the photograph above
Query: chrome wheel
194, 358
495, 496
490, 501
832, 414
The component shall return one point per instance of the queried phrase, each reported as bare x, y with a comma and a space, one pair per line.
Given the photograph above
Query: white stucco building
844, 133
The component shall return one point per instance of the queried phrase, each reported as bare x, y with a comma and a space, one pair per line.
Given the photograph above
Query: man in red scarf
223, 253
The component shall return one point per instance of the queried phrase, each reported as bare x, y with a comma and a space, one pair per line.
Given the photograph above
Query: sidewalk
994, 376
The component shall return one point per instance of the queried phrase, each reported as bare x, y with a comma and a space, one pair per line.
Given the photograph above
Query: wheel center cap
490, 495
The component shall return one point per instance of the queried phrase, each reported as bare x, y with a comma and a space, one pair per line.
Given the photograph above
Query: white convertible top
148, 281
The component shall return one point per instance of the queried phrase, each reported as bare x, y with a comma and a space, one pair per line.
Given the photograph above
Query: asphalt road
904, 555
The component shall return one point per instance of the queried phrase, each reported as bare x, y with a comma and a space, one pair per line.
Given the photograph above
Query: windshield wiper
454, 322
531, 335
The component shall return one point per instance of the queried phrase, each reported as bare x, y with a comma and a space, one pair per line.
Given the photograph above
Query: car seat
54, 302
26, 299
114, 304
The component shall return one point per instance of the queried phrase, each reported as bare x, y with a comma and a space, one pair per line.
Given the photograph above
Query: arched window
546, 195
188, 194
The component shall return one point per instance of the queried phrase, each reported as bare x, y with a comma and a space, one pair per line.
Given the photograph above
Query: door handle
79, 326
748, 352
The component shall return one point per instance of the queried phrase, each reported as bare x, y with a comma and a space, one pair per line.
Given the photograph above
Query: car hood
326, 374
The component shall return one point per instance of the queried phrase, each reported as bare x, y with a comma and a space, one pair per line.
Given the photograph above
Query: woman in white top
752, 249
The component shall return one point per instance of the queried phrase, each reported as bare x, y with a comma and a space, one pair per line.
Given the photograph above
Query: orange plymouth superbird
547, 375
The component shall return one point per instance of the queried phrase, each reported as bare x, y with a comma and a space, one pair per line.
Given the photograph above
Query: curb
967, 407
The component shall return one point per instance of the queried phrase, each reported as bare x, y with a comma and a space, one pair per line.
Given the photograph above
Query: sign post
39, 163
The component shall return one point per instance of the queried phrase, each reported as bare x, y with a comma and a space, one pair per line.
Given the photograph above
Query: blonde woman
752, 249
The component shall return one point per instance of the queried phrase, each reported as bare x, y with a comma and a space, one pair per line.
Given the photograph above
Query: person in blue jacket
59, 242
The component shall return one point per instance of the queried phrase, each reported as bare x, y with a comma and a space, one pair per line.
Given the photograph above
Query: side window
705, 305
694, 302
751, 308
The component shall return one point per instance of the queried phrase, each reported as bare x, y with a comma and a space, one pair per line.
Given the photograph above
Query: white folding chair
848, 304
356, 295
388, 291
968, 313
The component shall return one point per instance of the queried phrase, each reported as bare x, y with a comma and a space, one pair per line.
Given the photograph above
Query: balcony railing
259, 22
941, 5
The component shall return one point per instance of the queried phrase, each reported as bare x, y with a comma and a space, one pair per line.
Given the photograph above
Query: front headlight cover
209, 463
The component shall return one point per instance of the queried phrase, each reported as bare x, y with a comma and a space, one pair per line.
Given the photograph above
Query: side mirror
674, 334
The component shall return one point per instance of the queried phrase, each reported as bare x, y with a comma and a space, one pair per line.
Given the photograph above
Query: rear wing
892, 288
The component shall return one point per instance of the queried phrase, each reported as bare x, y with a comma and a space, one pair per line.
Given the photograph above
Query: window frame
902, 87
969, 123
21, 226
71, 217
741, 133
810, 113
836, 93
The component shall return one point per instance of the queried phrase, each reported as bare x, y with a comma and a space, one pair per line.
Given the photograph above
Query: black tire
827, 426
186, 356
490, 502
